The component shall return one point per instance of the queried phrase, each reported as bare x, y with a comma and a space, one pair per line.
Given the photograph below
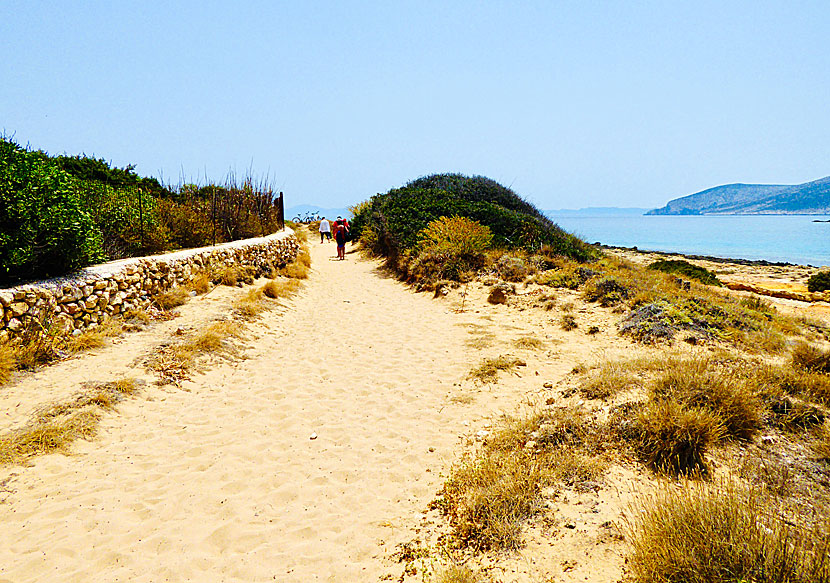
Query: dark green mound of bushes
44, 227
686, 269
819, 282
389, 224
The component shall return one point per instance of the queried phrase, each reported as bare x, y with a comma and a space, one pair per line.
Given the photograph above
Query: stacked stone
85, 301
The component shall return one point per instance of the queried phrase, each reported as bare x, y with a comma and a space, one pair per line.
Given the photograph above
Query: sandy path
221, 481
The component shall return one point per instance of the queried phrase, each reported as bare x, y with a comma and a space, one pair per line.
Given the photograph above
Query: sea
796, 239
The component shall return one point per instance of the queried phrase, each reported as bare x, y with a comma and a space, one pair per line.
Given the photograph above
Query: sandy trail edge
220, 482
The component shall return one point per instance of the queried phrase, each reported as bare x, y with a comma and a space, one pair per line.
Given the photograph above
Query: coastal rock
499, 293
17, 309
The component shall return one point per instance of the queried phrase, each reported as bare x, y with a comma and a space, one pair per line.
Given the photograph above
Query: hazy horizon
572, 105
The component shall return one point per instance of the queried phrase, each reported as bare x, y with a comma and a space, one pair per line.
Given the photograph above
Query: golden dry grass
821, 446
528, 343
139, 315
8, 363
281, 288
172, 298
489, 368
296, 269
94, 337
723, 533
609, 379
567, 322
697, 384
489, 496
459, 574
251, 304
674, 439
201, 283
53, 435
811, 358
53, 427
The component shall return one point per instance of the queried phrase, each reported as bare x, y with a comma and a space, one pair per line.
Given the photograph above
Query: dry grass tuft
721, 534
141, 316
672, 438
8, 363
608, 379
821, 447
95, 337
528, 343
459, 574
295, 270
488, 497
567, 322
489, 368
251, 304
173, 298
53, 435
697, 384
281, 288
811, 358
201, 284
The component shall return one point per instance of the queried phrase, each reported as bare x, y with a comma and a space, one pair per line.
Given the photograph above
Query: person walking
325, 229
340, 238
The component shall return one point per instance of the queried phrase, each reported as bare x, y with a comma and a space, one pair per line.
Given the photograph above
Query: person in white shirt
325, 229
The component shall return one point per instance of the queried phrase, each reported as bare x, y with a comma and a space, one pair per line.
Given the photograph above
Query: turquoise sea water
786, 238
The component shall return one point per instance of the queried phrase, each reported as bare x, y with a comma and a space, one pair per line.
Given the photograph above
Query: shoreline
711, 258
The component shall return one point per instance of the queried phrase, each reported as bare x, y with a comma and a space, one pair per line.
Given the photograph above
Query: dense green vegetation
59, 213
819, 282
390, 224
686, 269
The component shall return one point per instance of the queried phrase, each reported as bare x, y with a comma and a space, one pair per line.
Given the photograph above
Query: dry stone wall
85, 299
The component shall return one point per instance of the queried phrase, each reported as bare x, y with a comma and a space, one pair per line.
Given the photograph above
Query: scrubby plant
607, 291
390, 224
449, 247
819, 282
684, 268
44, 229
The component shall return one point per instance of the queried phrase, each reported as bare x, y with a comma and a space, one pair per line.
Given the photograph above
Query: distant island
810, 198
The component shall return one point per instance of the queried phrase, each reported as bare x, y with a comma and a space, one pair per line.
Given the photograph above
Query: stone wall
86, 298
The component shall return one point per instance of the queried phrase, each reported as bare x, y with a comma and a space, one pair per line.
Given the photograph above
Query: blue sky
573, 104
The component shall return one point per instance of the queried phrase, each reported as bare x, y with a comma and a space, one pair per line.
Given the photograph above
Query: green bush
44, 228
389, 224
681, 267
819, 282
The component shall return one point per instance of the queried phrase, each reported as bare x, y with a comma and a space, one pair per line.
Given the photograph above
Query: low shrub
819, 282
44, 229
607, 291
567, 322
682, 267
